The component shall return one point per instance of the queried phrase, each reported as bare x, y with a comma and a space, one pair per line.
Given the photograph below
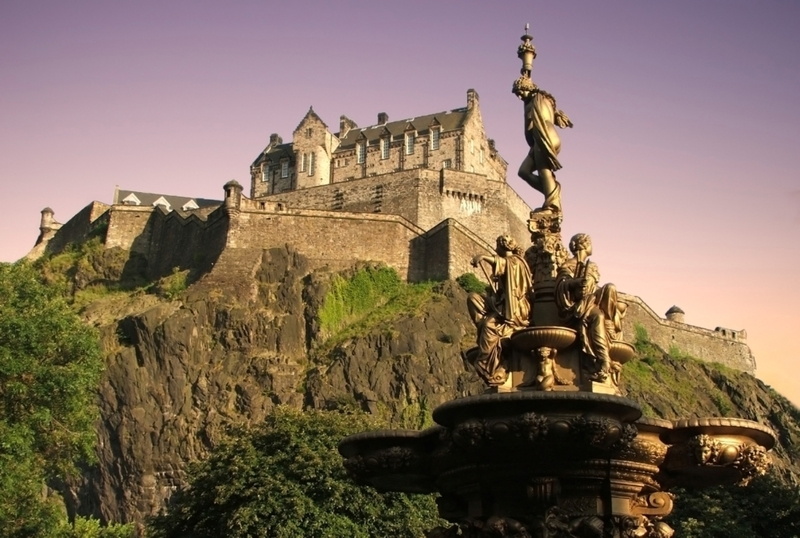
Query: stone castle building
422, 195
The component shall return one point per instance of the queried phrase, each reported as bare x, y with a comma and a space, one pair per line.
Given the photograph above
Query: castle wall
185, 242
704, 344
129, 228
78, 228
426, 198
335, 239
457, 246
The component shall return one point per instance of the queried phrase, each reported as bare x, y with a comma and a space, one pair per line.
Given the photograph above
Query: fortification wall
335, 239
128, 228
185, 241
704, 344
460, 246
424, 197
77, 229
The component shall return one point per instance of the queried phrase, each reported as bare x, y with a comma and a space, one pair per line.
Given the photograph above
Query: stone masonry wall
78, 227
426, 198
704, 344
335, 239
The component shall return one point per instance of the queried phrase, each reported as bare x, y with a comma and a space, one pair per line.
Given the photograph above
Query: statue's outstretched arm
562, 120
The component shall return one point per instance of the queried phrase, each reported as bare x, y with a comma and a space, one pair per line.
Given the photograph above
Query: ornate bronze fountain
552, 449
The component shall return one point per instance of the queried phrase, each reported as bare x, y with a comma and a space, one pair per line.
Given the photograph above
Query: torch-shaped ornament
527, 53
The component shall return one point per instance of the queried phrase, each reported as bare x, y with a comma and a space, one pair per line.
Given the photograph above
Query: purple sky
683, 163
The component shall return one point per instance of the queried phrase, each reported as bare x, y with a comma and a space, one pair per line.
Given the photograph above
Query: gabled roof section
168, 201
274, 154
449, 120
310, 115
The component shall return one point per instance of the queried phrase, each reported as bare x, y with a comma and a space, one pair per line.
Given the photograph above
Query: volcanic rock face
246, 337
178, 373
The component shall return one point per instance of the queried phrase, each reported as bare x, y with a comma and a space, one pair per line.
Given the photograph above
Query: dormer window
435, 135
386, 143
361, 152
284, 168
265, 172
410, 139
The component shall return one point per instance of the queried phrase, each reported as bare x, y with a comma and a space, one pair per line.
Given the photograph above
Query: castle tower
676, 314
313, 146
233, 195
47, 226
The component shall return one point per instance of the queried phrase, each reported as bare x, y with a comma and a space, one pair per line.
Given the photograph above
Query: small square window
447, 163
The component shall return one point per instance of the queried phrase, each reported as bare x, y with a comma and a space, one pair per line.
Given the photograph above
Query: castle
422, 195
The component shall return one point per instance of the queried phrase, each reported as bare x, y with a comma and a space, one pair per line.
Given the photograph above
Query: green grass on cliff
367, 298
654, 372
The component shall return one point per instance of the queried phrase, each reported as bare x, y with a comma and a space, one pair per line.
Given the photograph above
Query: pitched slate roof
449, 120
149, 199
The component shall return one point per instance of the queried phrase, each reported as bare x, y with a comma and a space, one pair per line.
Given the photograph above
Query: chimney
345, 125
275, 140
472, 98
383, 118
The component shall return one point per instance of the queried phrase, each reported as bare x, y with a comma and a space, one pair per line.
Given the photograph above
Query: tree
285, 479
50, 363
766, 508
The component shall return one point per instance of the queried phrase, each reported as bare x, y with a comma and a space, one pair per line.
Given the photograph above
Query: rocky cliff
185, 363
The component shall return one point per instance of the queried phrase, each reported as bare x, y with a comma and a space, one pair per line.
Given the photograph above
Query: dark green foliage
764, 509
50, 364
285, 479
469, 282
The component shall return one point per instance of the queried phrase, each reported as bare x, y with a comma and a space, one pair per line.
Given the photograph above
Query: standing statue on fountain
541, 118
504, 309
578, 297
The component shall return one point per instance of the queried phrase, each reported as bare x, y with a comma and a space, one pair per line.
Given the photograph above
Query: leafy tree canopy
50, 363
285, 479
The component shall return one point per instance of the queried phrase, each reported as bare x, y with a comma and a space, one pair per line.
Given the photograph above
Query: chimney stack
383, 118
345, 125
275, 140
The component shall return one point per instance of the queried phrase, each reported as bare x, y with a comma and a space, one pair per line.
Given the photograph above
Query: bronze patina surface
552, 449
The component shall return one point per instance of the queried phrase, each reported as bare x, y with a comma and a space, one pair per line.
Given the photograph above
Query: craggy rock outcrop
246, 337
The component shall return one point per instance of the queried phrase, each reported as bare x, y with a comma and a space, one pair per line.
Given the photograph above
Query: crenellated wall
728, 348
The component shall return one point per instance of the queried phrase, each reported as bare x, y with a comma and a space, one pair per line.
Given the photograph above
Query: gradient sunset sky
682, 165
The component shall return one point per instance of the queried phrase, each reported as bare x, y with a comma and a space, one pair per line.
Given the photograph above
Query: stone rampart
78, 228
705, 344
424, 197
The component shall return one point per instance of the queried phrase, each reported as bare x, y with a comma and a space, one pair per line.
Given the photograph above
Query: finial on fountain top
526, 52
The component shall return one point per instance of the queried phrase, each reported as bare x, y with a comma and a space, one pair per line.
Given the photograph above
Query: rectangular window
303, 161
447, 163
386, 143
284, 169
264, 172
311, 164
410, 139
435, 132
361, 150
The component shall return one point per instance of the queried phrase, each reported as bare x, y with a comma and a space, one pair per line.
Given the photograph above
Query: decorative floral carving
469, 434
597, 431
530, 426
753, 461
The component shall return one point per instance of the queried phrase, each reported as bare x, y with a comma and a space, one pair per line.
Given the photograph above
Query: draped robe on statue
500, 313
